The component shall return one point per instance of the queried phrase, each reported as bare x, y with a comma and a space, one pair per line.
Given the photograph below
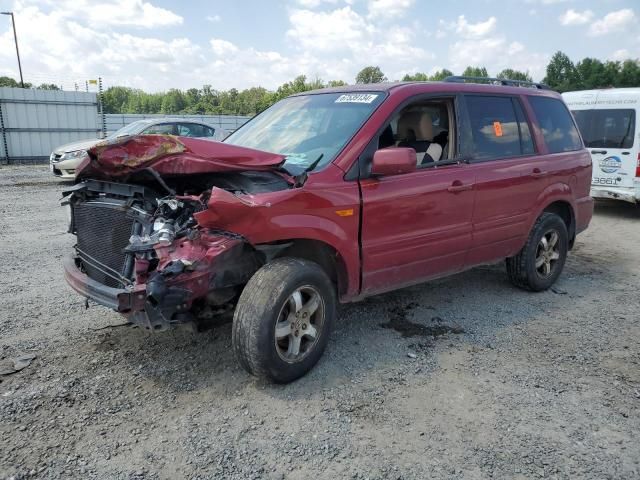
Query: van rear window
559, 132
607, 128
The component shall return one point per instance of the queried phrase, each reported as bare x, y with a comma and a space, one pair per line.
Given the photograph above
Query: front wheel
283, 319
539, 264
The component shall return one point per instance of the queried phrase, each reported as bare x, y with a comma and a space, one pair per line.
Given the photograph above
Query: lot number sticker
497, 128
356, 98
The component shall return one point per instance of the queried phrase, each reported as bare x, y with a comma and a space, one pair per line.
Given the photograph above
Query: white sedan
65, 159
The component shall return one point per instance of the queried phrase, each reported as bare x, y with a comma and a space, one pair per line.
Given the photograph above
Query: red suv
330, 195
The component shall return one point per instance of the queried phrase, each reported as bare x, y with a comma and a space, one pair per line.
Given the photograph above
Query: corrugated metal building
34, 122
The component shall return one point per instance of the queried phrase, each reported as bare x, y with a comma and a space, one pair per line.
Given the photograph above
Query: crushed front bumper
118, 299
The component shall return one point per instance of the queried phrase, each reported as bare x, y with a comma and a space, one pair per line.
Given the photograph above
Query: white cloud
475, 30
573, 17
496, 54
213, 18
345, 37
314, 3
222, 47
620, 55
548, 2
388, 9
117, 13
616, 21
130, 13
333, 30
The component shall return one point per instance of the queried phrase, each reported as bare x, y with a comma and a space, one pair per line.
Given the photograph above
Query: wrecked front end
140, 249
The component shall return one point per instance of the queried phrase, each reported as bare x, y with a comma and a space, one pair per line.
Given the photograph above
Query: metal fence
34, 122
229, 123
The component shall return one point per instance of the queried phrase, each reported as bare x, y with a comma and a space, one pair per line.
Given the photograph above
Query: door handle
603, 152
626, 153
537, 173
457, 186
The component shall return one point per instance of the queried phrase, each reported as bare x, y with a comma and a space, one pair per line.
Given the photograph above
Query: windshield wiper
314, 164
302, 178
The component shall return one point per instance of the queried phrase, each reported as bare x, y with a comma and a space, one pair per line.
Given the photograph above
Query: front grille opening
103, 231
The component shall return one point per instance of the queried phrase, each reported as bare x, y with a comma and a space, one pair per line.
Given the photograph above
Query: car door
609, 133
509, 174
417, 225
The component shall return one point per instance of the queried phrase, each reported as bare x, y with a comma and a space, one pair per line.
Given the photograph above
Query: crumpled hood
169, 155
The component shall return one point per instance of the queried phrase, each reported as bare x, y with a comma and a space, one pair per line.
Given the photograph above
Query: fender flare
556, 192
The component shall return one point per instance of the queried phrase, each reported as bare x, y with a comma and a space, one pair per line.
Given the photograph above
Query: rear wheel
540, 262
283, 319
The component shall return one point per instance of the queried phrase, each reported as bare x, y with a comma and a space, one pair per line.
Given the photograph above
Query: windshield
131, 129
310, 130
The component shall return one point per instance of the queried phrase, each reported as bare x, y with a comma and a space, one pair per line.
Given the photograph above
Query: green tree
48, 86
370, 75
10, 82
592, 73
561, 73
336, 83
480, 72
415, 77
629, 74
116, 99
441, 75
173, 102
511, 74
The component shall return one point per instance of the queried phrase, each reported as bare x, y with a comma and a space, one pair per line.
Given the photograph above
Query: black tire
265, 301
521, 268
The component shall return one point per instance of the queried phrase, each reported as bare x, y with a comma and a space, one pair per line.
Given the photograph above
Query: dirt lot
536, 385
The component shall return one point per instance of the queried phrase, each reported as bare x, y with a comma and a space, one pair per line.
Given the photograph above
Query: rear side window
498, 127
607, 128
559, 132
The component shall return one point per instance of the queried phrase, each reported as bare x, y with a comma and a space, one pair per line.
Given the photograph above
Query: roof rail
496, 81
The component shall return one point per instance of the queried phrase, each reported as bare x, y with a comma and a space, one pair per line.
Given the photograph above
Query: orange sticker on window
345, 213
497, 128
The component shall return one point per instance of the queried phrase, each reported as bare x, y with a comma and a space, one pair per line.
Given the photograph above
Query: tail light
638, 166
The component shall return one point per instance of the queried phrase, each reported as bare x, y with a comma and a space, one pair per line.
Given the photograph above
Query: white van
608, 123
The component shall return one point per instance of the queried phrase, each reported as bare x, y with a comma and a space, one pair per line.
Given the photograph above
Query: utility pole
15, 36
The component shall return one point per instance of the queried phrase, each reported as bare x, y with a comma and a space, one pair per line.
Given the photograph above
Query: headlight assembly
73, 155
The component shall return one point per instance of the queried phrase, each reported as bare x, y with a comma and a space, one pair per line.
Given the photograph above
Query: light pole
15, 36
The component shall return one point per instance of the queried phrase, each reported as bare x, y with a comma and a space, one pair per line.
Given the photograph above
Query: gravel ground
520, 385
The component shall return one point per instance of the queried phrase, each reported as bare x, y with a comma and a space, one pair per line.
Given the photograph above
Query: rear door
509, 174
609, 132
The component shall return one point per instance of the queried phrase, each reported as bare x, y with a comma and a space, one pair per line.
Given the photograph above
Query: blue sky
160, 44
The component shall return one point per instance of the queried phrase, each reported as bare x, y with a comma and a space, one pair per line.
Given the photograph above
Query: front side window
498, 127
424, 126
607, 128
559, 132
310, 130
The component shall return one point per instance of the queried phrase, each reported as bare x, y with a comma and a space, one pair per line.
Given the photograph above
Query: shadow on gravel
616, 209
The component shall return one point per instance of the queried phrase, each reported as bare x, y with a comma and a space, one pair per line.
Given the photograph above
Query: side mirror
394, 161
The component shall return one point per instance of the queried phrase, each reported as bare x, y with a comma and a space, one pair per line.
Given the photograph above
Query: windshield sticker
356, 98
